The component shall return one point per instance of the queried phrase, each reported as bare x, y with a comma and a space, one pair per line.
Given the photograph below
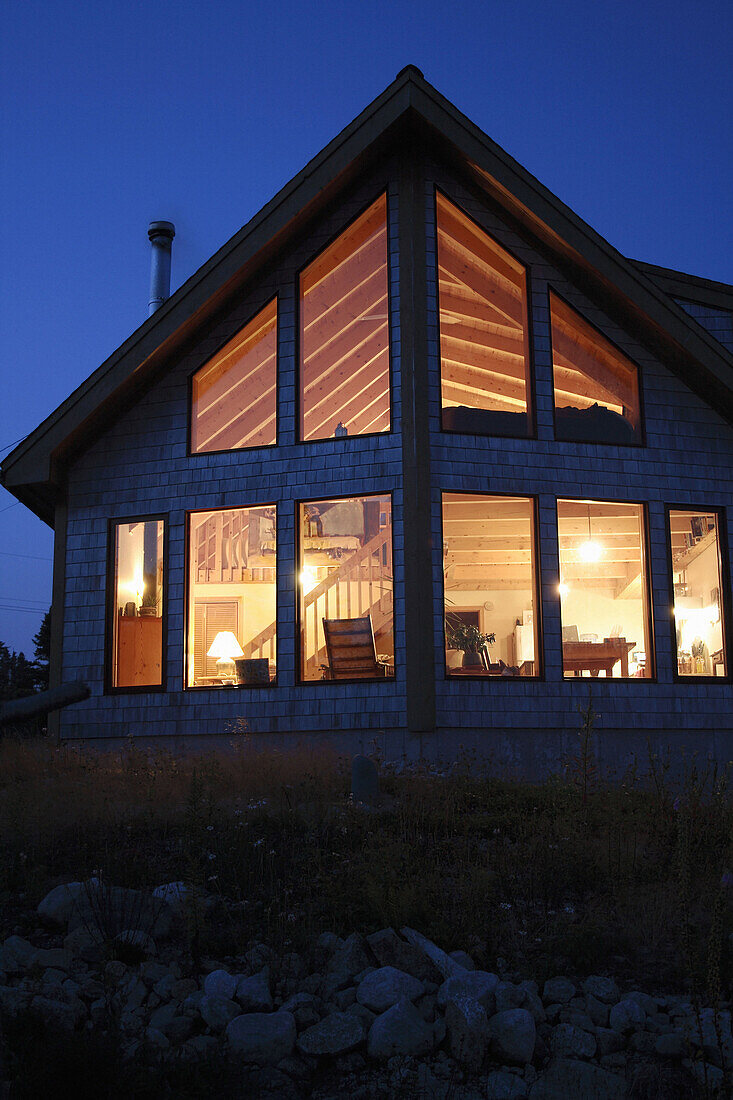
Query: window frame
725, 592
299, 441
190, 453
111, 603
531, 387
649, 610
642, 441
300, 681
540, 675
187, 596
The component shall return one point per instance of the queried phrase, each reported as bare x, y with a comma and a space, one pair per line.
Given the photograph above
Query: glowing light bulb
590, 551
308, 580
563, 588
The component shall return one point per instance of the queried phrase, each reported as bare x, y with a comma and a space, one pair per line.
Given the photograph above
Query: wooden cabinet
139, 651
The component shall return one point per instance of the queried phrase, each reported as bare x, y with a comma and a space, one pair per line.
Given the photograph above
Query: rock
364, 780
182, 988
259, 956
385, 987
558, 991
463, 959
335, 1034
179, 1029
344, 998
199, 1047
162, 1016
709, 1077
509, 996
597, 1010
479, 984
366, 1016
399, 1030
216, 1011
512, 1035
328, 942
303, 1008
262, 1038
625, 1016
389, 949
571, 1042
134, 994
156, 1038
567, 1079
174, 893
58, 904
604, 989
83, 944
115, 970
253, 993
220, 983
13, 1001
57, 957
671, 1046
711, 1030
447, 966
55, 1014
349, 959
533, 1002
468, 1031
501, 1085
17, 955
608, 1041
643, 1000
137, 940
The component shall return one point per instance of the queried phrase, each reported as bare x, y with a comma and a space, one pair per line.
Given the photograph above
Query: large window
234, 396
490, 583
232, 628
698, 600
344, 333
484, 347
137, 604
604, 595
596, 386
346, 587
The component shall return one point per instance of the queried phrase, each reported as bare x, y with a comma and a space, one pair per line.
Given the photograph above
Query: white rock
57, 906
399, 1030
386, 986
336, 1034
479, 984
468, 1031
447, 966
262, 1038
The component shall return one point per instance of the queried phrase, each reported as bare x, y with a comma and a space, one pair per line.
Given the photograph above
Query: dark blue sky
113, 114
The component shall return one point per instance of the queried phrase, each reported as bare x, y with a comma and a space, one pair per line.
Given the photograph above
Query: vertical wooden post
419, 657
55, 677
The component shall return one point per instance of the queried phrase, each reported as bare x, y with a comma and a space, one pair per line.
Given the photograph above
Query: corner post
55, 676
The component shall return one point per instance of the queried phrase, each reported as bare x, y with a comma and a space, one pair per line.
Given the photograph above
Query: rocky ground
387, 1015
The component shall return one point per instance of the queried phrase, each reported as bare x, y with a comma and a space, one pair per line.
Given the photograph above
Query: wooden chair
350, 650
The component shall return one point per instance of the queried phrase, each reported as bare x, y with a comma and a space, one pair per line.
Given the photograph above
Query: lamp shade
225, 644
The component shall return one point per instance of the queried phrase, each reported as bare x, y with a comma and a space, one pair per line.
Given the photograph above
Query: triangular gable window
234, 396
596, 386
484, 353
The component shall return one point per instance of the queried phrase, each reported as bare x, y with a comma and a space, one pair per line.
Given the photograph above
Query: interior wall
509, 604
598, 611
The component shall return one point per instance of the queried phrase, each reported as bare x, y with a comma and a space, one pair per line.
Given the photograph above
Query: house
418, 405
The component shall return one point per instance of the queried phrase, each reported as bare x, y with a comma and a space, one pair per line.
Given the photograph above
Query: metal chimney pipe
161, 236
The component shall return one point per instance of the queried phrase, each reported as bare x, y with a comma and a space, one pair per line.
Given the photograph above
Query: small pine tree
42, 652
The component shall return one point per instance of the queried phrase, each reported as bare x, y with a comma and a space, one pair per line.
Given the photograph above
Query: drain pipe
161, 236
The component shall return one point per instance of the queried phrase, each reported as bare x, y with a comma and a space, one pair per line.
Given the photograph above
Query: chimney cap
161, 229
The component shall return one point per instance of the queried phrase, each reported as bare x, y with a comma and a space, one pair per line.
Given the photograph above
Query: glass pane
345, 580
603, 589
344, 333
596, 386
234, 396
698, 603
490, 584
232, 610
484, 352
137, 642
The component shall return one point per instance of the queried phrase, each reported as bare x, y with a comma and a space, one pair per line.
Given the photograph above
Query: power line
10, 506
9, 445
25, 610
31, 557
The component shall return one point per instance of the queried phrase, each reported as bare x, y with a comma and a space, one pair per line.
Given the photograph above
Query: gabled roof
411, 109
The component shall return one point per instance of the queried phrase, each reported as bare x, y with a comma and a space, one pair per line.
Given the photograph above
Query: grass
568, 875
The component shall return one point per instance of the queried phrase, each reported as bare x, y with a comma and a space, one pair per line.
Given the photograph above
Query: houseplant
470, 640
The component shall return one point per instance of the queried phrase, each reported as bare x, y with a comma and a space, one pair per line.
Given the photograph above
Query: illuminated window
137, 604
232, 626
345, 578
490, 583
596, 386
344, 333
234, 396
604, 596
698, 603
484, 350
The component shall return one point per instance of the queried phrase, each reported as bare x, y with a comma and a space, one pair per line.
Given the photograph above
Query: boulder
335, 1034
174, 893
13, 1001
501, 1085
253, 993
463, 959
220, 983
597, 1010
512, 1036
56, 1015
399, 1030
386, 986
262, 1038
17, 955
671, 1045
447, 966
217, 1012
389, 949
468, 1031
644, 1001
558, 991
566, 1079
303, 1008
567, 1041
509, 995
625, 1016
478, 984
608, 1041
349, 959
604, 989
58, 904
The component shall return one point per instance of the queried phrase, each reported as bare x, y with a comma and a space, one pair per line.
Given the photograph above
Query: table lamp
225, 648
